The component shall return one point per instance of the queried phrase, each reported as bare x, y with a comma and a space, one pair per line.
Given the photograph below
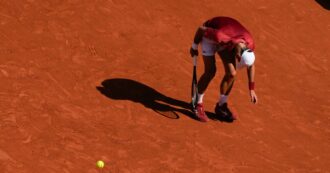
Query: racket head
168, 113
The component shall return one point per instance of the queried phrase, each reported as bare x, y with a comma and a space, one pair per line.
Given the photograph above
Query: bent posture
235, 46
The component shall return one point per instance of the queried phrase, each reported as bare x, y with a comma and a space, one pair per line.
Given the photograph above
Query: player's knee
231, 74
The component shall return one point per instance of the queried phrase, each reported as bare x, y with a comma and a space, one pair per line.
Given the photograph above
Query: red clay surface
83, 81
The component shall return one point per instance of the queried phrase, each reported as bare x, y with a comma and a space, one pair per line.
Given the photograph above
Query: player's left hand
254, 98
193, 52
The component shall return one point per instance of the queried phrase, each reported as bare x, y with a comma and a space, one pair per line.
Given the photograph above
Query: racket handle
195, 60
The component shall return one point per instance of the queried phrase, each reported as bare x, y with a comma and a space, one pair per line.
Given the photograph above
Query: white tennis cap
247, 59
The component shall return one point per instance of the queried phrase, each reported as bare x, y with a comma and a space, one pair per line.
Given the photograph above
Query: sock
200, 98
222, 99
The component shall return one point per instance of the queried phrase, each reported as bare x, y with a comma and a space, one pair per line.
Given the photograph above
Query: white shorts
209, 47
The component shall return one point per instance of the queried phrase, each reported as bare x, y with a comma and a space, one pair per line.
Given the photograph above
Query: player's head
247, 59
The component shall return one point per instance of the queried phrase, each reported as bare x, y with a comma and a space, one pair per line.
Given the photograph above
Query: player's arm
197, 39
251, 72
239, 47
199, 34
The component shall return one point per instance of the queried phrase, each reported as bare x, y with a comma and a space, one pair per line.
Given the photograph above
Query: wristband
251, 85
194, 46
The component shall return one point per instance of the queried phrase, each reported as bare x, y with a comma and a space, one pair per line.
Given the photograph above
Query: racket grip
195, 60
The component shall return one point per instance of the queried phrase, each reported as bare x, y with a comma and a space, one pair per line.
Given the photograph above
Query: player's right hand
254, 98
193, 52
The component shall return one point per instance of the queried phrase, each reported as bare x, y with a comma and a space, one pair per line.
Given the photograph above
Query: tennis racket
194, 88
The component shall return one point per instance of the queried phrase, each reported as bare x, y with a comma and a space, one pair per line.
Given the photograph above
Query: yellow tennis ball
100, 164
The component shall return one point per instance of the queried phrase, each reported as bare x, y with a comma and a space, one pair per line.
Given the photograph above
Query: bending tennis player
234, 44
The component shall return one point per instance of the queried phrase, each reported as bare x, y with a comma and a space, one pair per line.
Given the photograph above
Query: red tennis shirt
228, 31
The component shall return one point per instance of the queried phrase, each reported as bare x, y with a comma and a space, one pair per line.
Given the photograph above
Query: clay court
110, 80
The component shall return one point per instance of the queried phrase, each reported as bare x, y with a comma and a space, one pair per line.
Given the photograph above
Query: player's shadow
126, 89
324, 3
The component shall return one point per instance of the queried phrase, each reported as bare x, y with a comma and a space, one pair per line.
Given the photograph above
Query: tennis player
235, 46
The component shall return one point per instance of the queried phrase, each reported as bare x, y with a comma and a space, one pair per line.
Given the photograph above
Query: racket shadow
127, 89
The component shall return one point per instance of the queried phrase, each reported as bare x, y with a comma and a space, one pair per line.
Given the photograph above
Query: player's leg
228, 79
208, 74
229, 63
208, 51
